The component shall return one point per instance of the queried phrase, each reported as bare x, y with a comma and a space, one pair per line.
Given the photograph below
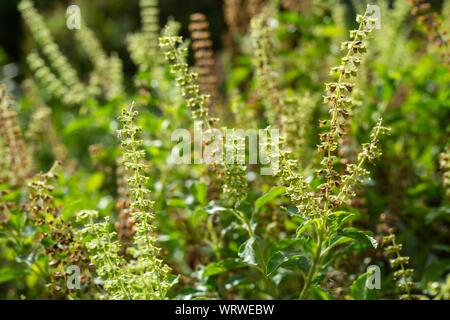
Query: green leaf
298, 262
435, 270
337, 219
272, 194
363, 236
177, 203
303, 227
17, 220
288, 259
317, 293
78, 124
291, 210
339, 240
245, 207
200, 193
355, 247
7, 274
27, 259
359, 289
222, 266
247, 253
442, 213
284, 244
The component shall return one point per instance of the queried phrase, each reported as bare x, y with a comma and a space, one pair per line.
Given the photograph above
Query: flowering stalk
187, 80
143, 45
16, 154
266, 77
204, 56
105, 255
318, 208
65, 72
433, 27
399, 261
153, 272
444, 163
145, 276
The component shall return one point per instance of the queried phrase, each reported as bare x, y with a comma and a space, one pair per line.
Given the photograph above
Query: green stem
262, 267
314, 266
405, 280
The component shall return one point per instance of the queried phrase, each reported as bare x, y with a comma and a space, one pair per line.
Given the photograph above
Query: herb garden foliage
116, 218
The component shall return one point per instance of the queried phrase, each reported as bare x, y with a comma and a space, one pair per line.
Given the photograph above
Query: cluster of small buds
403, 274
107, 75
69, 84
204, 56
440, 290
143, 45
153, 273
133, 160
186, 79
37, 125
124, 225
444, 162
432, 26
5, 206
347, 153
286, 169
388, 221
4, 162
136, 48
91, 45
49, 80
41, 124
114, 77
296, 113
16, 155
355, 173
104, 254
339, 102
266, 76
64, 251
41, 199
198, 102
234, 184
337, 189
150, 26
58, 237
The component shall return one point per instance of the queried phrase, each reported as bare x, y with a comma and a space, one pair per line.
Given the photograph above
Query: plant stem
314, 267
262, 267
405, 280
